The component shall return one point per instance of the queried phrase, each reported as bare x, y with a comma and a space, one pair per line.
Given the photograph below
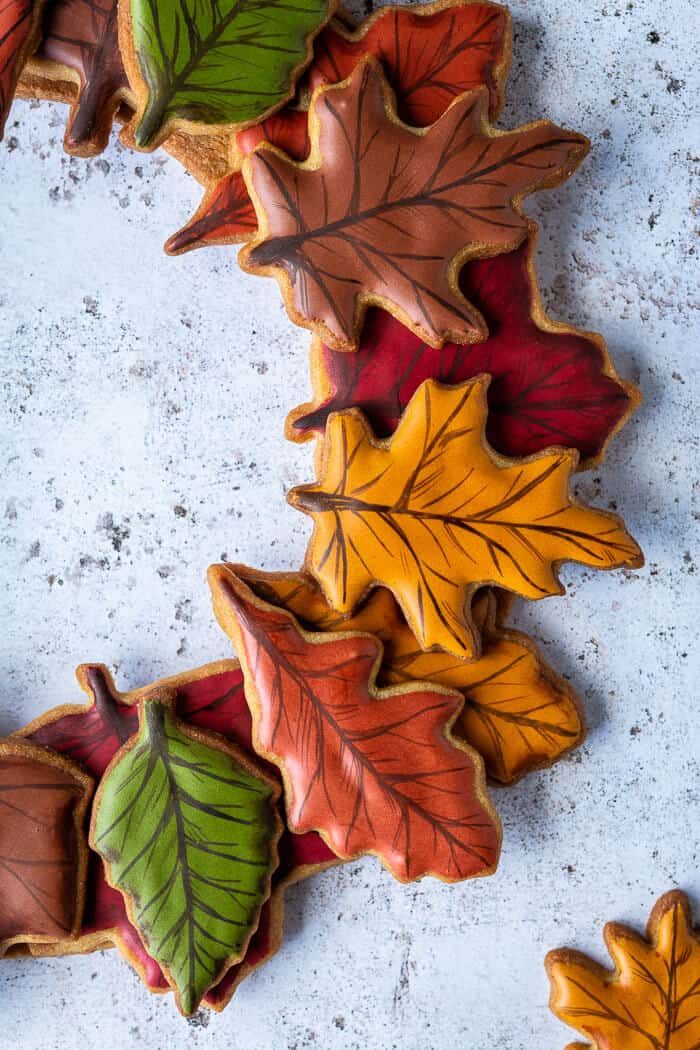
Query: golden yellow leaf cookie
652, 999
433, 513
518, 714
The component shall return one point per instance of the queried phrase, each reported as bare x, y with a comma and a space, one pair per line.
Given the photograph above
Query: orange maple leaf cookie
651, 1001
433, 514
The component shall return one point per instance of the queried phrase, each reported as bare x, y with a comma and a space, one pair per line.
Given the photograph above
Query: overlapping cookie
551, 384
430, 54
432, 513
384, 214
650, 1000
209, 700
518, 713
19, 32
372, 770
43, 852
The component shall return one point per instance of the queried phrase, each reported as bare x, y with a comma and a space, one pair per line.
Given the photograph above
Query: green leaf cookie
217, 61
188, 833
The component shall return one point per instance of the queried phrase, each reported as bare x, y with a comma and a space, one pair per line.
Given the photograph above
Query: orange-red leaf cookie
385, 214
43, 849
373, 770
518, 713
433, 513
651, 1001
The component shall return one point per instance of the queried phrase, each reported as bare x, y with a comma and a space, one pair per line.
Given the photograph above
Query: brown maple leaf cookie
650, 1001
385, 214
43, 850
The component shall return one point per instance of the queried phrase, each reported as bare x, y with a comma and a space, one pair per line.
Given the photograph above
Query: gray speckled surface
141, 420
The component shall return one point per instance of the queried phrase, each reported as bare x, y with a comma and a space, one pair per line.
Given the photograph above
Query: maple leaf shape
373, 771
518, 713
43, 854
652, 999
18, 30
430, 54
81, 37
550, 384
385, 214
432, 514
210, 698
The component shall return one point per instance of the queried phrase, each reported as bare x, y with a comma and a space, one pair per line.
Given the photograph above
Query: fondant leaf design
43, 799
651, 1001
433, 515
218, 62
518, 714
550, 384
385, 214
374, 771
17, 23
81, 36
430, 54
188, 833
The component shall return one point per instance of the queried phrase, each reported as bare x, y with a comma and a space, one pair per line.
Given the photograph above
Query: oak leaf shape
651, 1001
188, 832
209, 698
372, 770
430, 54
43, 854
384, 214
18, 30
228, 63
550, 384
81, 37
518, 713
433, 514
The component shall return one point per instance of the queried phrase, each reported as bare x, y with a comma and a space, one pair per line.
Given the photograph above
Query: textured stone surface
141, 421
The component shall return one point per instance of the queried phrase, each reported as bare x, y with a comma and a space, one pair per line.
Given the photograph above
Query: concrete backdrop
141, 420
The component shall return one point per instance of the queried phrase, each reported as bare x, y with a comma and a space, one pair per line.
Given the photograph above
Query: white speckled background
141, 420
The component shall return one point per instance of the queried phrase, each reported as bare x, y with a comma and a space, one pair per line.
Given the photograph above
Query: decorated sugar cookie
652, 997
188, 830
19, 28
383, 214
228, 64
432, 513
372, 770
551, 384
518, 713
43, 853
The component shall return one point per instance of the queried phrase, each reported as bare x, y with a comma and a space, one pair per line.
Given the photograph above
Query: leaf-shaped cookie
431, 53
433, 514
18, 31
227, 63
518, 714
374, 771
550, 384
385, 214
188, 832
80, 42
43, 853
210, 698
651, 1001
